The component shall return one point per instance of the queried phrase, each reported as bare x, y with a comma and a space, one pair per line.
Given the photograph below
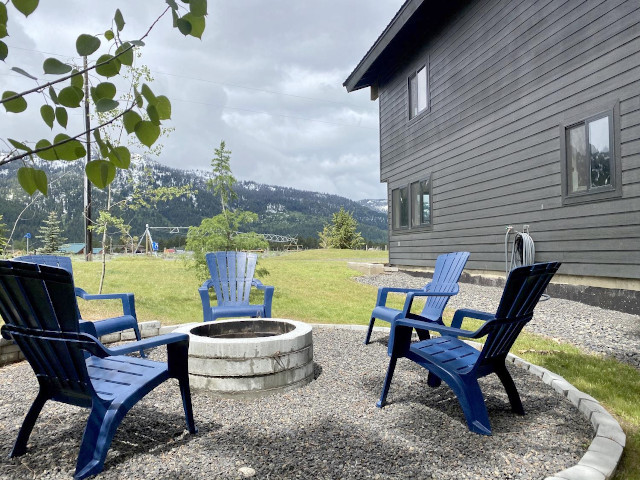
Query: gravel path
328, 429
593, 329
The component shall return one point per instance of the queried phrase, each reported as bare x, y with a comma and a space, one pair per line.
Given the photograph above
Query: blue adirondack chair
232, 279
99, 328
37, 306
443, 286
460, 365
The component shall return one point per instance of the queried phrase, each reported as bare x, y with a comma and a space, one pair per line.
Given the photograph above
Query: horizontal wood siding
504, 75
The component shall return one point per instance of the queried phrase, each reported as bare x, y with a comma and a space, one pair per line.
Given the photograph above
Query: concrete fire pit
249, 357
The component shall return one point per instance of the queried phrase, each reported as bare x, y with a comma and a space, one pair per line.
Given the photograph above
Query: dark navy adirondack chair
232, 279
102, 327
442, 286
460, 365
37, 305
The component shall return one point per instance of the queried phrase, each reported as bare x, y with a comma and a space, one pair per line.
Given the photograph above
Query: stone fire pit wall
249, 358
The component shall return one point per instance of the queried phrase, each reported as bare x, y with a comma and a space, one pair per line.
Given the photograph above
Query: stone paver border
598, 463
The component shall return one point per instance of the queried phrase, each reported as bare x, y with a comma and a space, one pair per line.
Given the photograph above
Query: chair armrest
127, 299
268, 295
422, 293
436, 327
148, 343
381, 301
463, 313
206, 302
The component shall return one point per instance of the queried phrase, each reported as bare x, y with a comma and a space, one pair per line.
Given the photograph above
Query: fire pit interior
249, 357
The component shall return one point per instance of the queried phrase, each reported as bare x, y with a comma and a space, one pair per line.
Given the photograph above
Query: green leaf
70, 97
119, 20
127, 54
197, 24
137, 97
49, 153
130, 119
62, 117
137, 43
100, 172
16, 105
26, 7
4, 51
22, 72
27, 180
53, 95
53, 66
111, 68
109, 35
48, 115
120, 157
3, 30
72, 150
174, 16
40, 179
77, 80
164, 107
105, 105
87, 44
172, 4
101, 145
103, 90
147, 132
153, 114
184, 26
198, 7
147, 93
19, 145
4, 18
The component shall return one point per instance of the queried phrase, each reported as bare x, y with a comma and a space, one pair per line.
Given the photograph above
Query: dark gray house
512, 112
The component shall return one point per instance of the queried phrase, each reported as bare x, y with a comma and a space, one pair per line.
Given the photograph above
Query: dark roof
416, 21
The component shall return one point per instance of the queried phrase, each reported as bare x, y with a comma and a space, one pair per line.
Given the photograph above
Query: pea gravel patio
328, 429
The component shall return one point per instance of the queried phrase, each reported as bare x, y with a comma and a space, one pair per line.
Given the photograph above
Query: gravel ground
328, 429
593, 329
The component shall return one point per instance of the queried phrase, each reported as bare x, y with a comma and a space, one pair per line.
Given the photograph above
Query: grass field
317, 286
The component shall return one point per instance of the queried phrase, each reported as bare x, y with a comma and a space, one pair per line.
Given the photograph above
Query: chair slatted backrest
445, 275
521, 294
37, 306
232, 274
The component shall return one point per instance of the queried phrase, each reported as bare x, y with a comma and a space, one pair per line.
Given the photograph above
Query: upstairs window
400, 207
590, 160
419, 91
421, 203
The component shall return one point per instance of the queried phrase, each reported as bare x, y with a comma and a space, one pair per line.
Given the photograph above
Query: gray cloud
266, 77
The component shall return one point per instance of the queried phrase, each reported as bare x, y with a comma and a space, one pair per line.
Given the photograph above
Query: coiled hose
523, 252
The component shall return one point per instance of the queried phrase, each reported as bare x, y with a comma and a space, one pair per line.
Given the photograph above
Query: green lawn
317, 286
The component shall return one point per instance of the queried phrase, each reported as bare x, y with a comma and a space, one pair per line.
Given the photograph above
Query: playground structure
291, 243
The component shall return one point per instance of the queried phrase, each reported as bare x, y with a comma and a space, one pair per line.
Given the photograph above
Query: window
420, 196
411, 205
400, 205
590, 159
419, 91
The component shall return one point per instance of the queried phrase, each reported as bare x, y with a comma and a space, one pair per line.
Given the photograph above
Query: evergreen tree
342, 232
3, 238
50, 234
223, 180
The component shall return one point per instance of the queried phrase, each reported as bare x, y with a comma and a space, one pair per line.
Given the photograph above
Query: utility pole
88, 243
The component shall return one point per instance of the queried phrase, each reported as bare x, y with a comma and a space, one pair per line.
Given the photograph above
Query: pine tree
342, 232
50, 234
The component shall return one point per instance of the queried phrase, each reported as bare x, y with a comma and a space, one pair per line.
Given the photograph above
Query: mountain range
281, 210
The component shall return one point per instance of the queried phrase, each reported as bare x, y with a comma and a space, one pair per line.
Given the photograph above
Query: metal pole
88, 237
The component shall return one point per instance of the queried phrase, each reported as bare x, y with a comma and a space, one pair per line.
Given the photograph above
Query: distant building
500, 113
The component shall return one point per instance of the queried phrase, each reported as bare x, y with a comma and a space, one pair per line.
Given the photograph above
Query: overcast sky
266, 77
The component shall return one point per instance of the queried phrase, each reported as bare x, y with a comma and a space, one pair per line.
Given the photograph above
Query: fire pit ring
249, 358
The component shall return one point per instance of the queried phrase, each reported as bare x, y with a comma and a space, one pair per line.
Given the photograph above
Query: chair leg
433, 380
136, 330
185, 391
369, 330
387, 381
178, 360
473, 406
510, 387
96, 440
20, 446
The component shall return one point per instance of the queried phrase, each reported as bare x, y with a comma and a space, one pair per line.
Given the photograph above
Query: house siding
504, 75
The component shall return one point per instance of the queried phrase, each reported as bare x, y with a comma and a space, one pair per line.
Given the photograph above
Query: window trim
599, 193
414, 73
410, 228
